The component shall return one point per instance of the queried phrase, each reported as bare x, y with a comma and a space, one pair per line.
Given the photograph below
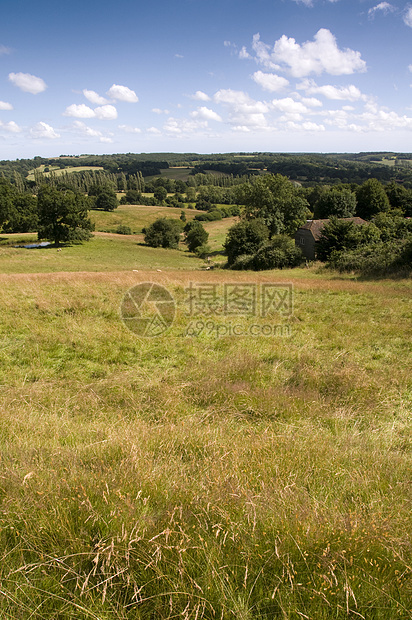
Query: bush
163, 233
123, 230
280, 252
196, 237
246, 237
378, 259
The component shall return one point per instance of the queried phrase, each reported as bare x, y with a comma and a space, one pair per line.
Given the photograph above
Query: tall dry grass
247, 478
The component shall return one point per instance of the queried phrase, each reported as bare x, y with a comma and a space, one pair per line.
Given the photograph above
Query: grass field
198, 475
58, 171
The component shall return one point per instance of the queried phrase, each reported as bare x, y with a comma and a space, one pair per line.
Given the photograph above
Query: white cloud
79, 111
122, 93
289, 106
106, 139
384, 7
244, 54
5, 106
200, 96
130, 129
311, 102
309, 126
183, 126
28, 83
179, 56
4, 50
243, 110
106, 112
94, 97
407, 16
410, 68
154, 130
321, 55
241, 129
270, 81
84, 129
337, 93
11, 127
206, 114
160, 111
43, 130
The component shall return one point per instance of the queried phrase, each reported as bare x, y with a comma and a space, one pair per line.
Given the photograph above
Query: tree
372, 199
196, 237
62, 215
245, 237
280, 252
341, 235
160, 193
163, 233
105, 199
275, 200
338, 202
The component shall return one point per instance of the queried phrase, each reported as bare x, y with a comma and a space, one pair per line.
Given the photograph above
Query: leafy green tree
160, 193
24, 216
106, 199
62, 215
372, 199
196, 237
278, 253
341, 235
245, 238
275, 200
163, 233
338, 202
399, 197
7, 195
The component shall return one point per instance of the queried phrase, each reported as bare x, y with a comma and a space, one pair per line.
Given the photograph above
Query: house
307, 235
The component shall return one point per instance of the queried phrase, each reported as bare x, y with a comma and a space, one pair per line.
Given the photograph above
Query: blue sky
94, 76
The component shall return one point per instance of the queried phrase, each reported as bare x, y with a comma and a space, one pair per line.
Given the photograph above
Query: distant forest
308, 169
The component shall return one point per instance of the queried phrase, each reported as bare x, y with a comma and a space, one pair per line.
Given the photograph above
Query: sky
93, 76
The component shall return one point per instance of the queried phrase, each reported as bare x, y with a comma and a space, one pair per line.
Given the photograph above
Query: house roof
316, 226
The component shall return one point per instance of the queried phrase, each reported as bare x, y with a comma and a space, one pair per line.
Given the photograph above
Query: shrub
123, 230
245, 237
196, 237
163, 233
280, 252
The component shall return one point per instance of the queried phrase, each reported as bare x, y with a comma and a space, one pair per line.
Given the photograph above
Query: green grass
251, 478
135, 216
101, 253
59, 171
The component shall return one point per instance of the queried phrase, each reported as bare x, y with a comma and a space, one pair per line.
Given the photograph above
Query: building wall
305, 241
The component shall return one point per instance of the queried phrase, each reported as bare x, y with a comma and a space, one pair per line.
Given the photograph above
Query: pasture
199, 475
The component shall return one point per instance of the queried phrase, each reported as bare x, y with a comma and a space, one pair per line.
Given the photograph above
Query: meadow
200, 473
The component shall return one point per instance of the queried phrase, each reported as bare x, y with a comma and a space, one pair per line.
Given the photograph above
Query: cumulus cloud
200, 96
244, 54
79, 111
11, 127
122, 93
383, 7
94, 97
206, 114
270, 81
160, 111
43, 130
407, 16
243, 110
106, 112
322, 55
183, 126
28, 83
289, 106
5, 106
84, 129
130, 129
154, 130
337, 93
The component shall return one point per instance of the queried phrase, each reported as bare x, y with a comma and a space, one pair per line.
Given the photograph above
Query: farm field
135, 216
59, 171
200, 473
